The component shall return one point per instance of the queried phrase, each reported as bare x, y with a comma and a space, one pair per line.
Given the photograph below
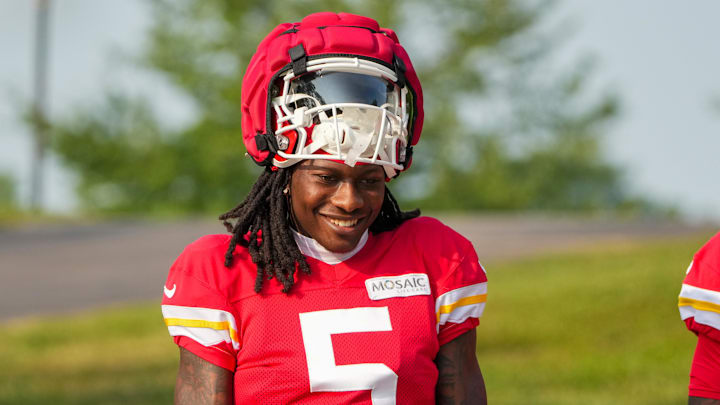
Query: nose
347, 197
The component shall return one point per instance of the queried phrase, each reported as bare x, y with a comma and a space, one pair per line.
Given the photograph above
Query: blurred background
574, 142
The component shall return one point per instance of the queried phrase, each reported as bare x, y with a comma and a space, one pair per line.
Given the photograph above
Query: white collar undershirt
310, 247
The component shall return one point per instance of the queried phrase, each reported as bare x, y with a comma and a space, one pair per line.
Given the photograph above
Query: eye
371, 181
325, 178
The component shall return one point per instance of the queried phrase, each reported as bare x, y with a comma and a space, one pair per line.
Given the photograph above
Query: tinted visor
342, 87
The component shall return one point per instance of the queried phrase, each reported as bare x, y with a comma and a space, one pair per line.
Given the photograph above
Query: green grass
116, 356
592, 327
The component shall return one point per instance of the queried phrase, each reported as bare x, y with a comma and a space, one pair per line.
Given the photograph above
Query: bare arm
703, 401
200, 382
460, 380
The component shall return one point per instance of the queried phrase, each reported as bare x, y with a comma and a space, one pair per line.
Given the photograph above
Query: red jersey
699, 304
363, 330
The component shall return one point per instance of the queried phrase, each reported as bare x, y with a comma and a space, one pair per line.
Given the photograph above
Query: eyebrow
315, 167
312, 167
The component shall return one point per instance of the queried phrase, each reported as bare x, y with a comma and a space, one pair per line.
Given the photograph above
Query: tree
8, 202
475, 58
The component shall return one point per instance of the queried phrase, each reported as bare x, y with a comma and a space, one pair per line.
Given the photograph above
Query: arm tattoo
703, 401
459, 378
201, 382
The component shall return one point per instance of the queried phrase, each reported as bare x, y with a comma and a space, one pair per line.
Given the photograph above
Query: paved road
64, 268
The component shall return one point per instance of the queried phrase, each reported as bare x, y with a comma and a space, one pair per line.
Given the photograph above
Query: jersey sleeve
699, 304
198, 316
461, 298
699, 300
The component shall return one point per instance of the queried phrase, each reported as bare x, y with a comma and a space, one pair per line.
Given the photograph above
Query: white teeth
344, 223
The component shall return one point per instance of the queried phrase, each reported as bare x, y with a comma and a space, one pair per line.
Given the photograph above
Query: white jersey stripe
204, 336
700, 294
461, 314
703, 317
702, 304
205, 325
460, 304
457, 294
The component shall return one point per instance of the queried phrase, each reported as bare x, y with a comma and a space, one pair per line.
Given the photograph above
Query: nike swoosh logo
168, 292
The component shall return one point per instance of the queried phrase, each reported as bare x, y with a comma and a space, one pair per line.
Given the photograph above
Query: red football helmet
333, 86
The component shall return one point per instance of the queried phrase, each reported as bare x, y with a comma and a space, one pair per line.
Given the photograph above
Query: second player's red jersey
362, 330
699, 304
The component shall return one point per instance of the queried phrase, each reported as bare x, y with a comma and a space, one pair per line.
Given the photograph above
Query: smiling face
334, 203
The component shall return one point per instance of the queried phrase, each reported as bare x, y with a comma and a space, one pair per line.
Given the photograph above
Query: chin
340, 247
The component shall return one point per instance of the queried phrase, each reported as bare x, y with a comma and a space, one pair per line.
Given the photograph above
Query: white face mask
349, 109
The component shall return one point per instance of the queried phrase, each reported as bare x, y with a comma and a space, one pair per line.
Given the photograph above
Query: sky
660, 57
663, 59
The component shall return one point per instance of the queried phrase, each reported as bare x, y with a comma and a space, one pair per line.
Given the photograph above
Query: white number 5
325, 375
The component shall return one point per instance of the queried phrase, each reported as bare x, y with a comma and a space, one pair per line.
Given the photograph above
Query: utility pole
39, 107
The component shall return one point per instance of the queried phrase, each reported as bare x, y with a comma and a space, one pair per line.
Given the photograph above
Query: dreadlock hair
262, 223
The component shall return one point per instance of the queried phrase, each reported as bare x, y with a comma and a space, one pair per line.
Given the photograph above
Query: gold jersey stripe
199, 323
473, 299
699, 305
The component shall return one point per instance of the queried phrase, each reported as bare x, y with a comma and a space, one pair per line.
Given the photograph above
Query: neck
310, 247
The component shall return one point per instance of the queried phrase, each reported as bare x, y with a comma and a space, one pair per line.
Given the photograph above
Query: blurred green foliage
504, 128
7, 191
128, 163
8, 202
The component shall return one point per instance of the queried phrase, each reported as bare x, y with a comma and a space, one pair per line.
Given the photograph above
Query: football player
699, 304
325, 292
